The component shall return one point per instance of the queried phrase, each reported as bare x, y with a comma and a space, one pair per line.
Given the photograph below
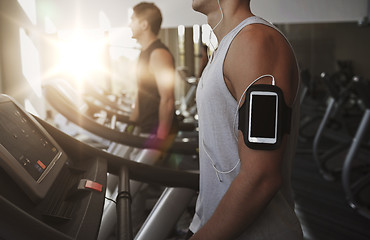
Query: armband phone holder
264, 117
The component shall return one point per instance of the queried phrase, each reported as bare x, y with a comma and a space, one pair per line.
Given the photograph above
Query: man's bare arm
161, 64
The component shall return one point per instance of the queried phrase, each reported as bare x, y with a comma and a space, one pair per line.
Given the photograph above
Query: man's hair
151, 13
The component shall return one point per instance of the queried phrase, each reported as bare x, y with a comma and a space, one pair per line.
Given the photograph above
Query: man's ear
144, 24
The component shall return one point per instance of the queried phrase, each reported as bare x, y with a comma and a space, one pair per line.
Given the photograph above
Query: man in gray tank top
244, 193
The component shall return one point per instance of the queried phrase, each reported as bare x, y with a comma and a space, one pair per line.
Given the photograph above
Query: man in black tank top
154, 108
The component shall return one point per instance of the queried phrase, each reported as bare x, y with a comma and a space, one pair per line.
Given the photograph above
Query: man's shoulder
259, 36
160, 51
259, 43
161, 54
259, 49
161, 58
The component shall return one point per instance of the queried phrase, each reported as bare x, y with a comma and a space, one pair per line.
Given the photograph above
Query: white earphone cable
213, 29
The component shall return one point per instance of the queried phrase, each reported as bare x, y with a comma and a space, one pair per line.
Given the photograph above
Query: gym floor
321, 205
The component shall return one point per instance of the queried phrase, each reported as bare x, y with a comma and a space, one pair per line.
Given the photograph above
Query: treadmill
53, 186
61, 97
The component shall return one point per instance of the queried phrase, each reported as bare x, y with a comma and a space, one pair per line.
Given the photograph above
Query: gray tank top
218, 148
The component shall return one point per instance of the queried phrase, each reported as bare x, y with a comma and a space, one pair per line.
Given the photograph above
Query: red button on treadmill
93, 185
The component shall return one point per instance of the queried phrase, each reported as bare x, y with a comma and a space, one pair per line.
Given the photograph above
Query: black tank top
148, 94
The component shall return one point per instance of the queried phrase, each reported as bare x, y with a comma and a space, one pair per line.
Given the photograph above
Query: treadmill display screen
24, 141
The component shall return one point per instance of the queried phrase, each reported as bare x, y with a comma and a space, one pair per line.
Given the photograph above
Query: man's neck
232, 16
146, 40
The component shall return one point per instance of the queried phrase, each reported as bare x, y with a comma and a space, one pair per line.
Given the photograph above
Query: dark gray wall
319, 46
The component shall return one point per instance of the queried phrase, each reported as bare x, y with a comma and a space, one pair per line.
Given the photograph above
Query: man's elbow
267, 182
272, 183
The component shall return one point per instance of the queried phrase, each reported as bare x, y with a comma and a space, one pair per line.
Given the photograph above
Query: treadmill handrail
122, 117
94, 91
119, 114
183, 126
73, 115
137, 171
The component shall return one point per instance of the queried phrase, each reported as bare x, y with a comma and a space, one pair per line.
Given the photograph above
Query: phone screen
263, 117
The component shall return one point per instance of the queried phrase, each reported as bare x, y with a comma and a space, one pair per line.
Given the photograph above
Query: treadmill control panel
24, 142
27, 152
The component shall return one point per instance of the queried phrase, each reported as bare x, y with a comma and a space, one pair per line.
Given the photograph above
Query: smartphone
263, 117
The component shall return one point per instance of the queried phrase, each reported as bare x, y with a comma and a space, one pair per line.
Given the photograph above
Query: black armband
264, 117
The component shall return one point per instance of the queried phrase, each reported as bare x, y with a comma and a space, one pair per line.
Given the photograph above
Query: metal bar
346, 174
124, 224
165, 213
326, 174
